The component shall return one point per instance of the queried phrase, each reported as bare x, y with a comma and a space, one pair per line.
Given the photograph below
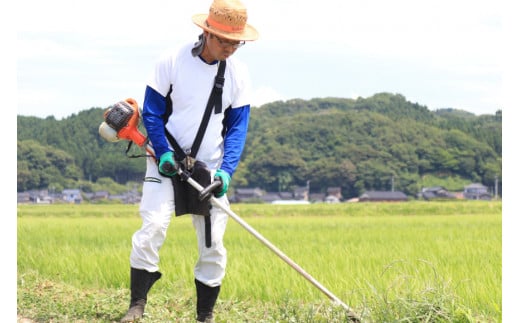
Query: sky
74, 55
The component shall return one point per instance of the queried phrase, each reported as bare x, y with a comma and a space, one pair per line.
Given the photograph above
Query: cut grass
45, 300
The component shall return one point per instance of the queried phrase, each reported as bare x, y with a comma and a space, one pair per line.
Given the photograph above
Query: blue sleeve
236, 123
154, 108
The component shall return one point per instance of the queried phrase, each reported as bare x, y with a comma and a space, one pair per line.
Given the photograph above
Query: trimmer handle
206, 192
169, 167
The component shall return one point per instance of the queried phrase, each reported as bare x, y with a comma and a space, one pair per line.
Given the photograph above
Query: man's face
219, 48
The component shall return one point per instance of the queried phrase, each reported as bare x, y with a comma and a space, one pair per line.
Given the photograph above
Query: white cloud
91, 51
265, 94
398, 28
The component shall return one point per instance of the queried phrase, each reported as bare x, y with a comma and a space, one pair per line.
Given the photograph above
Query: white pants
156, 209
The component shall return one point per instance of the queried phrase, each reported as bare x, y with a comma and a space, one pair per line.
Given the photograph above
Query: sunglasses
226, 43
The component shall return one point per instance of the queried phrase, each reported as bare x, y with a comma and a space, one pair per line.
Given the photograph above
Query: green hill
357, 145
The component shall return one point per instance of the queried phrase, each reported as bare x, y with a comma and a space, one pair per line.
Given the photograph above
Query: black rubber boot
140, 283
206, 299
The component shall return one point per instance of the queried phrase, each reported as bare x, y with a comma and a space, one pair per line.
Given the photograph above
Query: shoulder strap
179, 153
215, 100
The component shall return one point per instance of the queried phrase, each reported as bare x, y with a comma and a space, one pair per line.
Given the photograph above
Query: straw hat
228, 19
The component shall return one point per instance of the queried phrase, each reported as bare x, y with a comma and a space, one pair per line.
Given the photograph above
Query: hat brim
249, 32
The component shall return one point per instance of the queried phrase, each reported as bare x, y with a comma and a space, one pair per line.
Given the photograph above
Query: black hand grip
168, 167
206, 192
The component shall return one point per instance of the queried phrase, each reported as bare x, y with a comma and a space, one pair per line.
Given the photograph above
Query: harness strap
179, 153
207, 230
214, 100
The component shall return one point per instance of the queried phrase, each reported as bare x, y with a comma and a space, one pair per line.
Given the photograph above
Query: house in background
333, 195
247, 195
476, 191
72, 196
301, 193
35, 197
297, 194
317, 197
383, 196
436, 193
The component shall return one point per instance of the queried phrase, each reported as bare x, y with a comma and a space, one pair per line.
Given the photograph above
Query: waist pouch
187, 197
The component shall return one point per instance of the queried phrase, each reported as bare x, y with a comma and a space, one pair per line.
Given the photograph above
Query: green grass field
390, 262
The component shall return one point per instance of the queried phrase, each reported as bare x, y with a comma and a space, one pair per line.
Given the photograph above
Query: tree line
375, 143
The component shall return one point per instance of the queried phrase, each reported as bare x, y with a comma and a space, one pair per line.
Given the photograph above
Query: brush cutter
205, 193
121, 123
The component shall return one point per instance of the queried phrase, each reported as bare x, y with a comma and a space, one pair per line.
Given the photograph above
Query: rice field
392, 262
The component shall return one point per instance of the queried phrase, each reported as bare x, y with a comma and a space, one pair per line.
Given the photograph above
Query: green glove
167, 164
224, 178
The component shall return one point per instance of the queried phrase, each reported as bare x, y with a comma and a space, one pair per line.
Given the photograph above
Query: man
175, 101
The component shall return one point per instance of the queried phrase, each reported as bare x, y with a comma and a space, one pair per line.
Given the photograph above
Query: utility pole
496, 187
392, 183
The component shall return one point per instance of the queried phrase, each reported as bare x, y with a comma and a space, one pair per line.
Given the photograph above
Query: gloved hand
224, 178
167, 164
